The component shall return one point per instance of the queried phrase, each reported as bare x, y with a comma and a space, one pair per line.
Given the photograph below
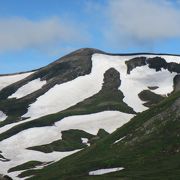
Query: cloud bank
18, 33
141, 22
122, 23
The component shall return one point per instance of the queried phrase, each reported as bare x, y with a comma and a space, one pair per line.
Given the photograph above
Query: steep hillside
147, 147
76, 102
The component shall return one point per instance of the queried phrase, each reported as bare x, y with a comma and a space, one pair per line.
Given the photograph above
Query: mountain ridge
94, 50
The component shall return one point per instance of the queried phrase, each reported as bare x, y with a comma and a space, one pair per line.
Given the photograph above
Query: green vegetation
102, 133
71, 140
28, 165
150, 97
150, 149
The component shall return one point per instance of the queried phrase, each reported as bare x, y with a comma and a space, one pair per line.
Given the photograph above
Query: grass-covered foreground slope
150, 149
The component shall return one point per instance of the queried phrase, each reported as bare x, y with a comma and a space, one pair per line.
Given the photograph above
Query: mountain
116, 113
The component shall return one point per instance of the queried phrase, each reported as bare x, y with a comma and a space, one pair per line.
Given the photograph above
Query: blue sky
36, 32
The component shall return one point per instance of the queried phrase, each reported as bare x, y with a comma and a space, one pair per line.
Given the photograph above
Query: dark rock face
153, 87
135, 62
177, 83
173, 67
111, 79
3, 159
156, 63
5, 177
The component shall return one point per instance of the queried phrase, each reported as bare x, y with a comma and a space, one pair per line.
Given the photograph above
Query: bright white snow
10, 79
108, 120
65, 95
91, 123
139, 80
28, 88
85, 141
119, 140
2, 116
22, 156
105, 171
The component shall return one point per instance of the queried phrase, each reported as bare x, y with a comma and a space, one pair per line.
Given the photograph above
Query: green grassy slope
150, 149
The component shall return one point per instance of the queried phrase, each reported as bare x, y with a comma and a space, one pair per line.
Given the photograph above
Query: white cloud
18, 33
141, 21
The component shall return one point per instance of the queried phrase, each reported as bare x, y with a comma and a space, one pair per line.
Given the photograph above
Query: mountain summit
115, 113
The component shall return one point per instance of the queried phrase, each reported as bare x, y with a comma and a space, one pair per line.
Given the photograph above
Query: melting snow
119, 140
10, 79
85, 141
108, 120
20, 156
28, 88
2, 116
65, 95
105, 171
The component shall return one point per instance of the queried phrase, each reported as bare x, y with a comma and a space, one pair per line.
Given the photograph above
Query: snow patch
28, 88
91, 123
10, 79
21, 156
108, 120
68, 94
105, 171
119, 140
2, 116
85, 141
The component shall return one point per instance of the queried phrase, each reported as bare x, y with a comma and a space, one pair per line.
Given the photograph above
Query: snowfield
10, 79
70, 93
105, 171
108, 120
28, 88
29, 155
91, 123
2, 116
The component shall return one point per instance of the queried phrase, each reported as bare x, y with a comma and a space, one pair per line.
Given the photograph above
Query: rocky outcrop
150, 98
111, 80
177, 83
5, 177
135, 62
156, 63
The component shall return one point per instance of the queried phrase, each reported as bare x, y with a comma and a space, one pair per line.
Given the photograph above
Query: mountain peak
61, 107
